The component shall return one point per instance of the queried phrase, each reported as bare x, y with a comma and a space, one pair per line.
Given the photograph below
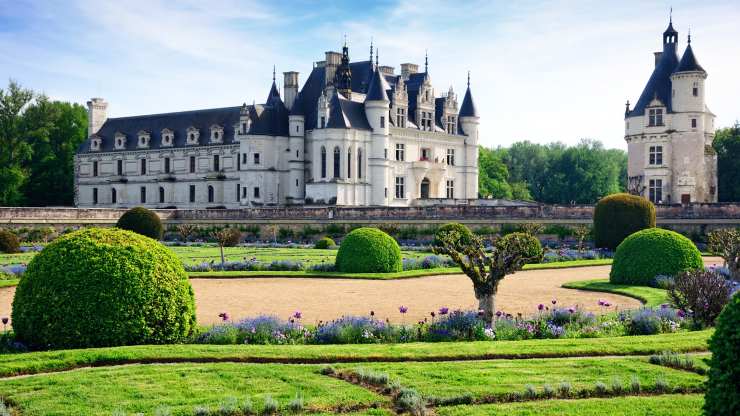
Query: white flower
489, 333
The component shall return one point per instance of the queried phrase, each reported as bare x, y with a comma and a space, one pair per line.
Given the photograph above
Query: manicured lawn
370, 276
569, 263
650, 296
665, 405
36, 362
180, 387
480, 379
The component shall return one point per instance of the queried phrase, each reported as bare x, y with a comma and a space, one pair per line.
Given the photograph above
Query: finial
426, 62
273, 73
377, 53
345, 40
371, 49
689, 36
468, 79
670, 16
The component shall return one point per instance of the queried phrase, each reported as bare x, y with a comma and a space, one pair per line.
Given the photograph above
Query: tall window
119, 167
244, 158
451, 157
256, 158
95, 168
451, 125
237, 192
693, 123
166, 165
401, 117
323, 162
359, 163
113, 196
192, 193
450, 189
400, 192
95, 196
337, 162
656, 155
210, 193
426, 154
143, 166
142, 192
161, 195
323, 122
655, 117
349, 163
382, 122
256, 192
216, 163
695, 90
192, 164
400, 151
655, 189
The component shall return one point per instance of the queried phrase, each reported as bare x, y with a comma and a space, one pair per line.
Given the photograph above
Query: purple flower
498, 314
540, 307
444, 310
601, 302
664, 306
572, 310
372, 313
5, 320
403, 309
297, 315
680, 314
481, 312
607, 304
554, 301
224, 316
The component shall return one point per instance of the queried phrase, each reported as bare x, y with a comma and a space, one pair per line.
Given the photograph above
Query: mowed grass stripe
181, 387
49, 361
650, 296
665, 405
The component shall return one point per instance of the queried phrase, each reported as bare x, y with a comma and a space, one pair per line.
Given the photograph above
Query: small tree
581, 232
532, 228
704, 293
508, 255
186, 230
226, 237
273, 230
725, 243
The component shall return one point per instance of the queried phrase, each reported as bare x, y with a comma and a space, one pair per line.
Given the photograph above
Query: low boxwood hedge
723, 390
652, 252
369, 250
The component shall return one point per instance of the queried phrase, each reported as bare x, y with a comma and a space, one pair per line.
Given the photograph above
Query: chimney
290, 88
408, 69
658, 55
333, 59
388, 70
96, 115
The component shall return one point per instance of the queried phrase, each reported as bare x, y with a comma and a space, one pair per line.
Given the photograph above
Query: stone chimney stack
97, 114
290, 86
333, 59
658, 55
408, 69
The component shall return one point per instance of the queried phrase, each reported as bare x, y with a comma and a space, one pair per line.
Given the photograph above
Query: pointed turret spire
274, 96
688, 61
377, 53
378, 87
670, 36
426, 61
371, 50
467, 109
343, 75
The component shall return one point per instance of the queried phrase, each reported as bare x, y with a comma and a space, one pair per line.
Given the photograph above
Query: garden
108, 321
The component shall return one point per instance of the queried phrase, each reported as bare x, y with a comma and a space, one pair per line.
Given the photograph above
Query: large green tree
15, 151
727, 145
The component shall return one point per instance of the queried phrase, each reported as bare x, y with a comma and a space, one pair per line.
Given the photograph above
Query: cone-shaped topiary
619, 215
369, 250
103, 287
9, 242
652, 252
325, 243
723, 388
142, 221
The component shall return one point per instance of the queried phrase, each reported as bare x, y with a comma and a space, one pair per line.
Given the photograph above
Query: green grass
650, 296
370, 276
48, 361
446, 380
569, 263
9, 282
181, 387
665, 405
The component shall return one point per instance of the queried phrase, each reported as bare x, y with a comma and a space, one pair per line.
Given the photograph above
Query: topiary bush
526, 244
103, 287
325, 243
619, 215
9, 242
652, 252
369, 250
723, 391
465, 236
141, 221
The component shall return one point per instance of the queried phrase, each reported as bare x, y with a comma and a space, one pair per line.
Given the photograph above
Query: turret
290, 88
377, 103
296, 117
469, 119
688, 83
96, 115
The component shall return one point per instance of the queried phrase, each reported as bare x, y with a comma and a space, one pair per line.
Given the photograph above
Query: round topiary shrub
9, 242
103, 287
369, 250
619, 215
527, 245
723, 394
464, 233
325, 243
141, 221
652, 252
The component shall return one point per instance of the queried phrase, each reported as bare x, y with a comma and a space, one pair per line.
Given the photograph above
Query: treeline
727, 145
552, 173
38, 141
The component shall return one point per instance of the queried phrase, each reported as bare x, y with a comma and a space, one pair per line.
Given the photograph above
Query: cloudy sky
541, 70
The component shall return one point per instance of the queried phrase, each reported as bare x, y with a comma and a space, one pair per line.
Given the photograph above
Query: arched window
161, 195
323, 162
210, 193
337, 161
113, 196
359, 163
349, 163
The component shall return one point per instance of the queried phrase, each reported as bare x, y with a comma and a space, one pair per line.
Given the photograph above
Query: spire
670, 36
343, 74
273, 73
371, 50
627, 108
378, 87
467, 109
689, 36
274, 95
426, 62
468, 79
377, 52
688, 61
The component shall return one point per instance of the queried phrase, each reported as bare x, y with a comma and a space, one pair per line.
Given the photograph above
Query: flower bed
428, 262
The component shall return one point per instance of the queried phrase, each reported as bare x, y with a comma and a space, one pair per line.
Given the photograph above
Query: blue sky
541, 70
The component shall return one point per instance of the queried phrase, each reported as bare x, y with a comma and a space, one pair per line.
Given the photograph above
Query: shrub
619, 215
103, 287
524, 243
722, 396
9, 242
141, 221
270, 406
652, 252
325, 243
648, 321
726, 243
369, 250
703, 292
464, 234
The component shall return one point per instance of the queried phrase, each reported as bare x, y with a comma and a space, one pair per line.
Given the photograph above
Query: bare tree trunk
223, 260
487, 305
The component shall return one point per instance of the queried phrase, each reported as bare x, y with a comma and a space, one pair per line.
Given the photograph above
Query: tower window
349, 163
655, 117
142, 192
695, 90
382, 122
693, 123
192, 164
400, 152
359, 163
143, 166
192, 193
113, 196
119, 167
256, 192
655, 189
95, 168
323, 162
166, 165
216, 163
95, 196
237, 192
656, 155
400, 191
401, 117
337, 162
256, 157
451, 157
161, 195
323, 122
210, 193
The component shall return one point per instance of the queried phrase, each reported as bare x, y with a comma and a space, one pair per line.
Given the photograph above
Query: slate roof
659, 84
377, 91
688, 62
412, 88
467, 109
346, 114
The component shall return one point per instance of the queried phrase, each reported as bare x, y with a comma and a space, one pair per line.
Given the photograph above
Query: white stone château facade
356, 134
670, 130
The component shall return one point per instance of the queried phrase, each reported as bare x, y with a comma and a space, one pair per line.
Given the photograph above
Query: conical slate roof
378, 87
468, 107
688, 62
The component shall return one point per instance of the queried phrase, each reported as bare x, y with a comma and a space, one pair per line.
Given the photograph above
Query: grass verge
650, 296
50, 361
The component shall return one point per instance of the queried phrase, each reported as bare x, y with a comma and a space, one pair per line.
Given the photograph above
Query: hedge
9, 242
325, 243
723, 386
619, 215
142, 221
369, 250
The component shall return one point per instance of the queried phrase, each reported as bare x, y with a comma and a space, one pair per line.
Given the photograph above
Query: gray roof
346, 114
659, 84
688, 62
378, 88
467, 109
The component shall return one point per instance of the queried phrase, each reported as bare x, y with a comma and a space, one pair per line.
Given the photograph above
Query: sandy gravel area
326, 299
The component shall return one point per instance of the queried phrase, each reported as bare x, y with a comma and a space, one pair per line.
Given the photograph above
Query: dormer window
451, 125
655, 117
120, 141
401, 117
168, 137
144, 138
193, 135
95, 143
217, 134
